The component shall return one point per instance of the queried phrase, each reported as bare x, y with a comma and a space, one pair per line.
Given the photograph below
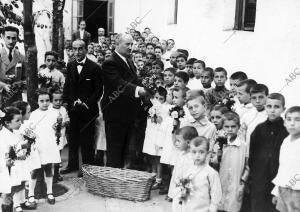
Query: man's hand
5, 86
142, 92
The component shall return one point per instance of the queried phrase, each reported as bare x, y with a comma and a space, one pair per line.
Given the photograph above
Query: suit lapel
14, 61
122, 63
84, 70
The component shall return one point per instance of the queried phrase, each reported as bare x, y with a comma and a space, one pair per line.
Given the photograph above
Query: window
172, 18
245, 15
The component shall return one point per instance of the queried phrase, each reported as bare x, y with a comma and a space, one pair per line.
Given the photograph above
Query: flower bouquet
44, 81
176, 113
149, 83
58, 127
30, 137
217, 151
228, 102
185, 185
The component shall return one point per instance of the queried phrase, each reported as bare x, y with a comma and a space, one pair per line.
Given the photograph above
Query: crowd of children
212, 148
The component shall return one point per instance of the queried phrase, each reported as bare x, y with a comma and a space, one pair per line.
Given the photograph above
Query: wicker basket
118, 183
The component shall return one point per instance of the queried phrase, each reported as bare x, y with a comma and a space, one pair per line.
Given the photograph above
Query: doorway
95, 15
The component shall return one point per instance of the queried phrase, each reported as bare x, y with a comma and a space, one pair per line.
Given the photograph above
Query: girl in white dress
156, 132
43, 121
19, 172
57, 106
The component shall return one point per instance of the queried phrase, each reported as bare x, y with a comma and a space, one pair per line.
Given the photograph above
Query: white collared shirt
288, 175
79, 68
136, 94
7, 50
81, 34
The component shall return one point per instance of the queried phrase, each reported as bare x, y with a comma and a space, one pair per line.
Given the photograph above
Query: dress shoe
68, 170
50, 199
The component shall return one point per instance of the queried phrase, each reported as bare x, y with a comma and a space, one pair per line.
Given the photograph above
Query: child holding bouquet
156, 132
43, 120
62, 122
15, 150
198, 186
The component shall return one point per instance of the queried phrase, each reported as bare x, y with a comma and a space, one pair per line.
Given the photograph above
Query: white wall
269, 54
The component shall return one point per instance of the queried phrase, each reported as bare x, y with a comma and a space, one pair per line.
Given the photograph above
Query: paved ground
78, 199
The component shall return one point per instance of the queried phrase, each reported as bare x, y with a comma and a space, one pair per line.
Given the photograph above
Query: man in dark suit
82, 91
100, 37
120, 103
82, 34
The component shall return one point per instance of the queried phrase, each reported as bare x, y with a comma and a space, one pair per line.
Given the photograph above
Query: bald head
101, 31
124, 44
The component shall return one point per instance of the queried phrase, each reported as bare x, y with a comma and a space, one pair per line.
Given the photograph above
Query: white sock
17, 198
49, 181
22, 196
32, 184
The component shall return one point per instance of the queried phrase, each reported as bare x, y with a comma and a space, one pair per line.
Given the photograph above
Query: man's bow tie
79, 64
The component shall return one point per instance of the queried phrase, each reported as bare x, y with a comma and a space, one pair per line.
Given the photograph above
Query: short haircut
182, 56
183, 75
152, 54
172, 70
158, 62
184, 51
211, 72
82, 21
171, 40
143, 43
154, 37
200, 140
259, 88
162, 91
150, 44
138, 52
141, 37
80, 41
21, 105
10, 112
221, 69
191, 61
197, 94
231, 116
187, 132
239, 75
294, 109
249, 84
52, 53
277, 96
42, 91
11, 29
201, 62
182, 90
68, 44
220, 108
159, 47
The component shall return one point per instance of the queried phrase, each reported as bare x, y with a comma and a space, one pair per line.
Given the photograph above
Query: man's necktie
10, 55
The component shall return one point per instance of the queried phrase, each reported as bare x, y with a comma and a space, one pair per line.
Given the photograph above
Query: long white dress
19, 172
33, 159
42, 123
156, 132
169, 153
5, 183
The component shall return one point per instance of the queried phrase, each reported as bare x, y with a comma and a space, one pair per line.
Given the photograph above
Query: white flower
174, 115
